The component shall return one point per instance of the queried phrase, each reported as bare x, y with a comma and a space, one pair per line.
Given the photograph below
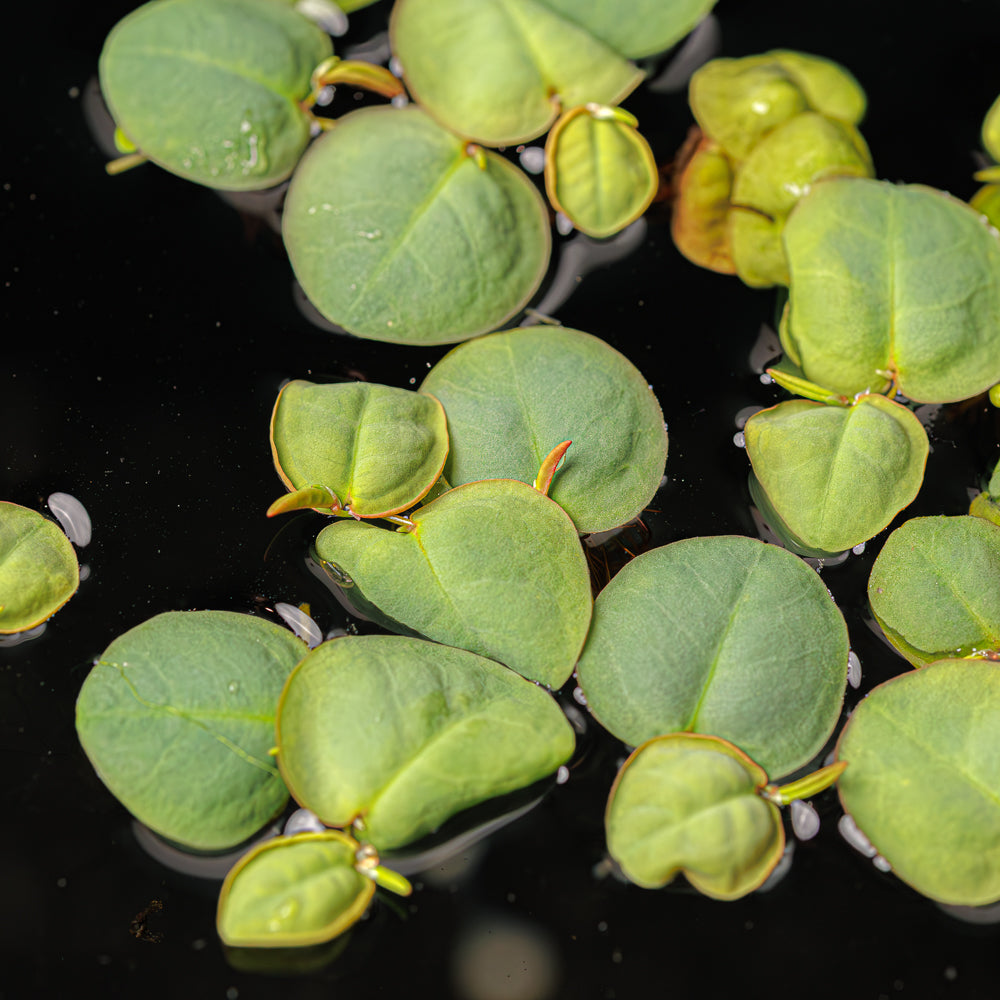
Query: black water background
145, 329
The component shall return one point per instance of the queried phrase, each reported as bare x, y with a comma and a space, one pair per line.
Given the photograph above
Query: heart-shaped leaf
837, 475
212, 89
494, 567
378, 449
499, 73
513, 396
683, 639
775, 175
738, 101
935, 588
177, 718
38, 568
692, 804
460, 246
892, 285
401, 734
293, 891
923, 753
599, 171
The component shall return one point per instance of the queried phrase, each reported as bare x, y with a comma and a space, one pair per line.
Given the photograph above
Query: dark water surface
146, 328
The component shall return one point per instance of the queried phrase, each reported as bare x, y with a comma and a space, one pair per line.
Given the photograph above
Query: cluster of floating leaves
550, 433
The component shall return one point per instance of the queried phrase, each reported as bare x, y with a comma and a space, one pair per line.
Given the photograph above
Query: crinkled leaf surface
404, 733
599, 171
495, 567
923, 778
699, 222
778, 171
397, 231
690, 804
837, 475
177, 718
499, 72
738, 101
892, 283
211, 89
39, 572
685, 638
293, 891
380, 449
935, 588
513, 396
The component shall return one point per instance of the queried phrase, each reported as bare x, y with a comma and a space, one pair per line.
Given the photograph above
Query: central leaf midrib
713, 666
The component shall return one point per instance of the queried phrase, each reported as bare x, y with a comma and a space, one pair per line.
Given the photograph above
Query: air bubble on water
325, 96
853, 669
300, 623
73, 517
326, 14
563, 224
84, 572
765, 379
739, 439
848, 829
881, 864
395, 67
562, 775
533, 159
805, 820
400, 101
859, 548
302, 821
578, 696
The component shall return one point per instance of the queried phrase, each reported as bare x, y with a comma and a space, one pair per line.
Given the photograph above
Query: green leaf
494, 567
211, 89
177, 718
775, 175
725, 636
692, 804
923, 753
837, 475
513, 396
458, 248
501, 72
378, 449
991, 130
738, 101
935, 588
599, 171
401, 734
38, 568
987, 201
892, 284
293, 891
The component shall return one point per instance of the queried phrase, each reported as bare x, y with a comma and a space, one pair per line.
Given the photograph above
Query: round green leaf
38, 568
500, 72
776, 174
935, 588
400, 231
991, 130
211, 89
513, 396
923, 770
892, 284
379, 449
738, 101
293, 891
699, 223
401, 734
599, 171
691, 804
726, 636
494, 567
177, 718
837, 475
